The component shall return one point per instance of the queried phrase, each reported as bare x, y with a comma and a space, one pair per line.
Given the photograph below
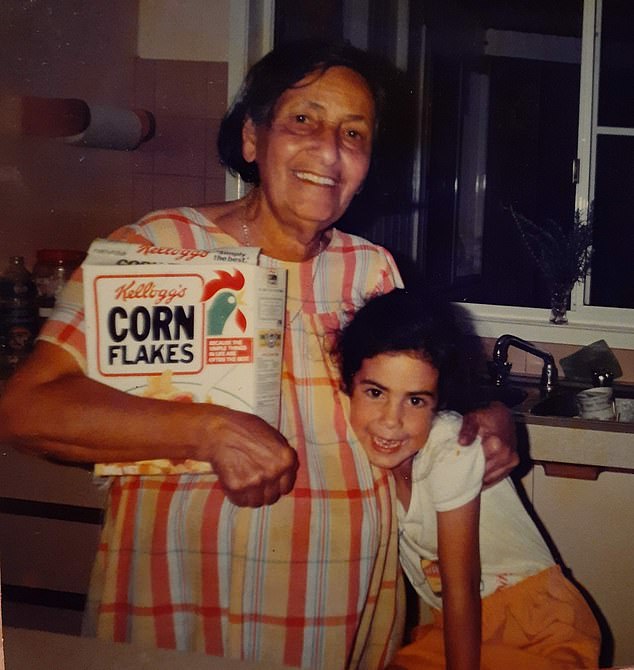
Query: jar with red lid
51, 271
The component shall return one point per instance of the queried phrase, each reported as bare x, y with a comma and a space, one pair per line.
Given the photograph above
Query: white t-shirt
445, 476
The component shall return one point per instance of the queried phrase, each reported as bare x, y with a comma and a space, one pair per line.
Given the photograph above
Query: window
510, 95
611, 165
511, 103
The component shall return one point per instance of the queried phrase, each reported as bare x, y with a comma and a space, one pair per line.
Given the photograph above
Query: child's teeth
386, 444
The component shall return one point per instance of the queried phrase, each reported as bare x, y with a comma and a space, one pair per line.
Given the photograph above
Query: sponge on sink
595, 357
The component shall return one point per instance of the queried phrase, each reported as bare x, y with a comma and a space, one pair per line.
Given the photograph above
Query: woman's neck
252, 224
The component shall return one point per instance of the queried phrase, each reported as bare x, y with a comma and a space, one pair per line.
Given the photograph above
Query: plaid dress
311, 581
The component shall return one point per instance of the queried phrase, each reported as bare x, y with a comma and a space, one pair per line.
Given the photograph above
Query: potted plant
562, 253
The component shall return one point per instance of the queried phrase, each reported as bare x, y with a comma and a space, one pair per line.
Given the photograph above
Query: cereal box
186, 326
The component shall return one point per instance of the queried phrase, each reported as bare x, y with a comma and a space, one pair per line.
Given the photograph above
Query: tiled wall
61, 196
58, 196
179, 166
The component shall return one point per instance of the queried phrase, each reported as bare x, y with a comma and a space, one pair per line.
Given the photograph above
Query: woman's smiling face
392, 406
315, 154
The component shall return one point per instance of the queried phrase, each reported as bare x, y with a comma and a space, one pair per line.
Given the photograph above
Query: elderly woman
207, 562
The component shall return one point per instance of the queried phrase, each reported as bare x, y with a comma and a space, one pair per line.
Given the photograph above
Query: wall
190, 30
62, 196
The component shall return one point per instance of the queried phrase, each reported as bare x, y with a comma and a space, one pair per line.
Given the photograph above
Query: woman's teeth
315, 179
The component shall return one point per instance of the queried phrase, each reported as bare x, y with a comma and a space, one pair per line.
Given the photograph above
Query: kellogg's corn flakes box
184, 325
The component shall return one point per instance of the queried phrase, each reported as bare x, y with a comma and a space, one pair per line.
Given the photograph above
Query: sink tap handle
499, 371
549, 376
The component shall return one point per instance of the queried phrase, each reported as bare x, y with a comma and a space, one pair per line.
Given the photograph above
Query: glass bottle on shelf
51, 271
18, 313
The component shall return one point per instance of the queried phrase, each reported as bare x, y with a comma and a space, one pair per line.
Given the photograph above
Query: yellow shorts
541, 623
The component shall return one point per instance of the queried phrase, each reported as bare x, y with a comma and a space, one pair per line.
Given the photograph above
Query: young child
400, 360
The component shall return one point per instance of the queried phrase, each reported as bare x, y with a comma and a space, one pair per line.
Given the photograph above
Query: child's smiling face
392, 406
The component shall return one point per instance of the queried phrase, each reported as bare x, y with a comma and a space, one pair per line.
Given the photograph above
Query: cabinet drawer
47, 553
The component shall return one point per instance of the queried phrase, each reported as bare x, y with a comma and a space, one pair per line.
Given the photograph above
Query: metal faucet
500, 368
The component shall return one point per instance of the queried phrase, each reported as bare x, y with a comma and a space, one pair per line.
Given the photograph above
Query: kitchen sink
562, 403
523, 395
556, 404
511, 396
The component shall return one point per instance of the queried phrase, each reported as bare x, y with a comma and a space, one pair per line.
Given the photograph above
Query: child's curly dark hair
402, 321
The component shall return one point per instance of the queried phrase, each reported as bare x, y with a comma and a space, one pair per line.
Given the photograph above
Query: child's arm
459, 562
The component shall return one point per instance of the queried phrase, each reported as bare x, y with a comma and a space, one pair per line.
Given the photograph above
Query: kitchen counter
573, 440
36, 650
578, 477
577, 442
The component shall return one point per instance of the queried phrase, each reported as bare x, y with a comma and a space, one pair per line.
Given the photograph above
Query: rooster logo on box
223, 292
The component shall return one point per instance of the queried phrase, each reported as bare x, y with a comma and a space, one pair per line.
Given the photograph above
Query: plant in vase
562, 253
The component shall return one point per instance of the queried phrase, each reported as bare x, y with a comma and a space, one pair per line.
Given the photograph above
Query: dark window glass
616, 84
612, 280
530, 142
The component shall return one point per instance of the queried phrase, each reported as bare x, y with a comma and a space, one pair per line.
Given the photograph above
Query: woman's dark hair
401, 321
280, 70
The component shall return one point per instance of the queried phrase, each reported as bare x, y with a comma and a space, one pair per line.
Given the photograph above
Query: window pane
612, 281
502, 104
532, 143
616, 85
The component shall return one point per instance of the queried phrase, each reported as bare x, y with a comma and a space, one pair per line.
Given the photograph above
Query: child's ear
249, 140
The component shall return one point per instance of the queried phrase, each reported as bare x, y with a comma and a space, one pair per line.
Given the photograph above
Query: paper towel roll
114, 128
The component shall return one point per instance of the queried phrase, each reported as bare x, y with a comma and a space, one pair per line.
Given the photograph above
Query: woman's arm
459, 562
51, 408
495, 426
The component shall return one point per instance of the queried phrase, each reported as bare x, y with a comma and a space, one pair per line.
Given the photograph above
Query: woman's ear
248, 140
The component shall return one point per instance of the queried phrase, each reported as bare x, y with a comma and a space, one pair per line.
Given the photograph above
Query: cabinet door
592, 526
49, 533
